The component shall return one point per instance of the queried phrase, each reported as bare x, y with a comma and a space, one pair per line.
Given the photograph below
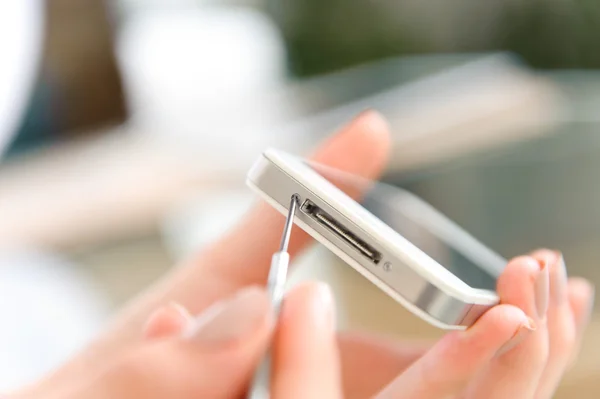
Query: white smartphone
397, 241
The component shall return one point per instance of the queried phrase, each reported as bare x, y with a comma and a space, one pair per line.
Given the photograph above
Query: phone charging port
333, 226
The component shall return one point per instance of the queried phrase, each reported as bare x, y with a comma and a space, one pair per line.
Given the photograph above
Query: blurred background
127, 127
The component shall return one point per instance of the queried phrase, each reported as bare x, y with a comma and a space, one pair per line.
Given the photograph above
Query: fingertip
484, 338
522, 264
453, 361
492, 333
369, 124
372, 122
361, 147
581, 287
517, 269
166, 321
500, 322
179, 309
549, 260
545, 254
309, 299
306, 360
504, 314
581, 294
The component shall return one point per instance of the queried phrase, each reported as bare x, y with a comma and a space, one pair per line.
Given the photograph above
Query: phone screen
423, 226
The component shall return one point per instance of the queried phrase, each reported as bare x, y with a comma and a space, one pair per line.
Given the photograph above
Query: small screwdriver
260, 387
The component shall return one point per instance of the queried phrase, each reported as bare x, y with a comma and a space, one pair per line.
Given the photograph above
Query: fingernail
542, 290
150, 321
180, 309
590, 309
372, 116
364, 113
231, 320
325, 306
172, 308
559, 280
518, 337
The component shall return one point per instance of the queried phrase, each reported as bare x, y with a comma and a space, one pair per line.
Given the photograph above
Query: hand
215, 354
505, 354
518, 349
368, 363
216, 273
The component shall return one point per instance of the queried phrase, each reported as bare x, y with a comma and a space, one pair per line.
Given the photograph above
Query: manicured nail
172, 310
231, 320
325, 306
179, 309
364, 113
146, 329
590, 309
370, 116
518, 337
558, 287
542, 290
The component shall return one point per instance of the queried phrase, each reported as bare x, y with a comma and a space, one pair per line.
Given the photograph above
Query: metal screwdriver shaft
259, 389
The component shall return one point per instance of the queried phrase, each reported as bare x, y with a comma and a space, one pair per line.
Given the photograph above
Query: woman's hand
518, 349
360, 148
469, 363
215, 354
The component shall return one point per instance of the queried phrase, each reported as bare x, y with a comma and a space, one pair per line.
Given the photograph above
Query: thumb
213, 357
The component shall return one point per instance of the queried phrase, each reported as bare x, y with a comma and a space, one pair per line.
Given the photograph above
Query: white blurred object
197, 73
49, 312
201, 219
21, 24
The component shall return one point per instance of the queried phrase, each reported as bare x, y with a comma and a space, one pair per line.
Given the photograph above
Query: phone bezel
415, 280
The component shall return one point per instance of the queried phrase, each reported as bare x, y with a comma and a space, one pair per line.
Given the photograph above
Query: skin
541, 318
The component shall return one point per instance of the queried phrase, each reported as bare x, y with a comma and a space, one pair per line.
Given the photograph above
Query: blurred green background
324, 36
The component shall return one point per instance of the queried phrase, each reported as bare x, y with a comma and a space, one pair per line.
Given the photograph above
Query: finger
167, 321
581, 300
450, 365
360, 148
306, 359
524, 284
242, 257
214, 357
369, 362
562, 332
